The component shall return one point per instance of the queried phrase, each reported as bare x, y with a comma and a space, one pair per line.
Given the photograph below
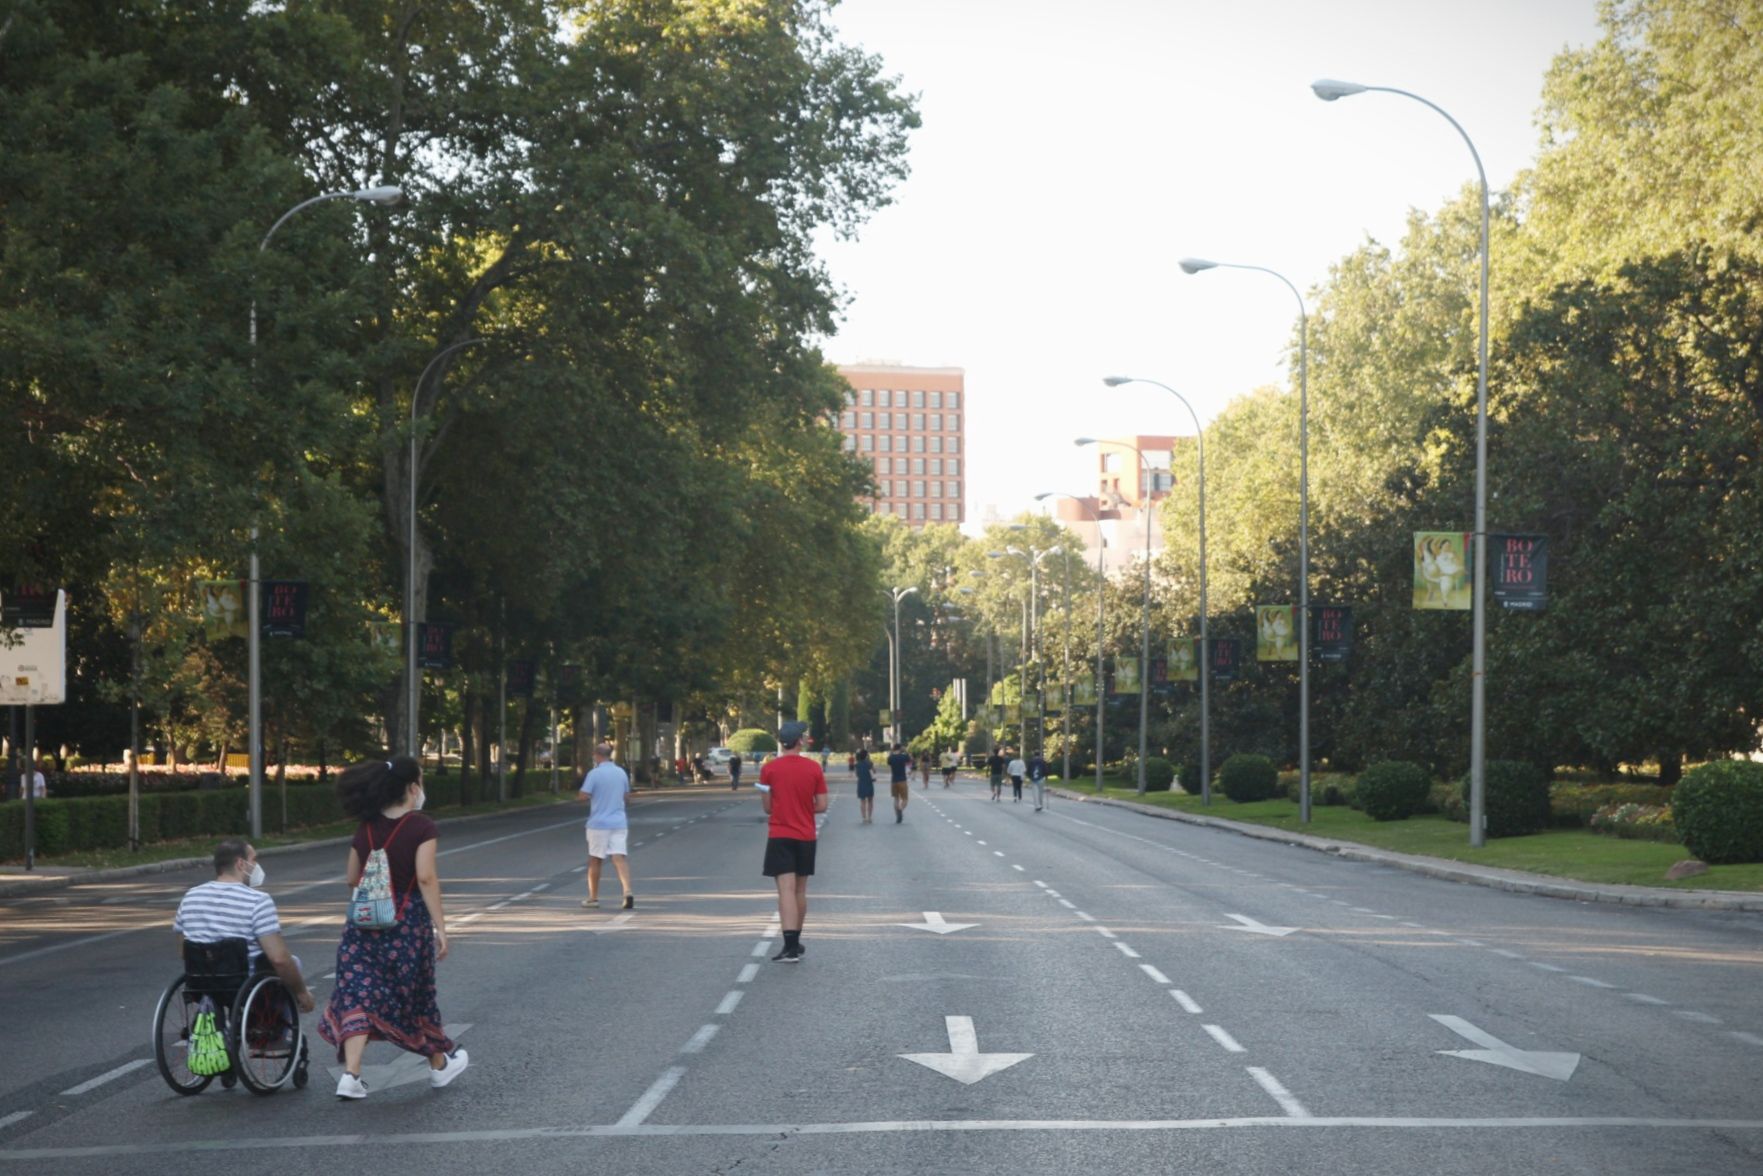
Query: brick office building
908, 424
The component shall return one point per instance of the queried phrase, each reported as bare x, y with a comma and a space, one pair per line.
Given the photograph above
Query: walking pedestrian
865, 787
995, 770
899, 763
924, 770
734, 771
1016, 770
1037, 774
826, 754
950, 762
386, 978
603, 790
796, 793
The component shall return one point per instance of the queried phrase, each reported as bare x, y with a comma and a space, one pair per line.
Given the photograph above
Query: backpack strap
402, 902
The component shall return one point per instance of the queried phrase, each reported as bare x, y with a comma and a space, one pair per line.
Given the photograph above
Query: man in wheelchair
232, 908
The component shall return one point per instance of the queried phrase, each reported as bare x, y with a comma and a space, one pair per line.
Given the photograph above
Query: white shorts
603, 843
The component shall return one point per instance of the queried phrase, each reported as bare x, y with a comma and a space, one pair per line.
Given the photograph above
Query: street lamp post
413, 680
1066, 776
1145, 618
384, 194
1194, 265
1033, 556
1328, 89
1205, 643
898, 594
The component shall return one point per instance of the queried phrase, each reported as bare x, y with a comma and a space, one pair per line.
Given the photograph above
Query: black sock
792, 940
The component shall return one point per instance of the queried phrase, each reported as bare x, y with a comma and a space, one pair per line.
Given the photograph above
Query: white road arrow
1255, 926
964, 1063
933, 921
1559, 1066
407, 1069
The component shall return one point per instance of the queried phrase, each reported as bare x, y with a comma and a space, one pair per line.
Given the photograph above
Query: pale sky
1072, 152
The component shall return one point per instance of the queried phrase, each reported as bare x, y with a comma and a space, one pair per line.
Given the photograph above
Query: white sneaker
349, 1086
456, 1063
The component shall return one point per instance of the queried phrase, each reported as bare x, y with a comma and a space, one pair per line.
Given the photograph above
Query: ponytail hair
374, 785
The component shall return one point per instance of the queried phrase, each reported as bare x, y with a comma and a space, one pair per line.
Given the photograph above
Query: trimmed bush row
751, 739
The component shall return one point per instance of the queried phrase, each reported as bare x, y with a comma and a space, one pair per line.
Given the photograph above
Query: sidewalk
1516, 881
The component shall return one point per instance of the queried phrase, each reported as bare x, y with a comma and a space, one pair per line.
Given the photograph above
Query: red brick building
908, 425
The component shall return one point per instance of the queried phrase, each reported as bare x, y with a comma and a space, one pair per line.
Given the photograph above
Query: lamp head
1084, 441
1193, 265
1328, 89
965, 590
1014, 551
1056, 549
1116, 381
994, 555
385, 194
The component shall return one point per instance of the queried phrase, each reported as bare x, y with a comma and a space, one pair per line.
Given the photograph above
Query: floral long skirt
386, 987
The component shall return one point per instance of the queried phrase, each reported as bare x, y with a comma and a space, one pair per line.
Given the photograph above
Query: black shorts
788, 855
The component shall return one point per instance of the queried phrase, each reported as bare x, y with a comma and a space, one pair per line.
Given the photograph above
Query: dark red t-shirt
401, 853
794, 780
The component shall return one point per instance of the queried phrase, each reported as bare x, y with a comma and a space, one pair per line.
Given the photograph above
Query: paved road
1150, 997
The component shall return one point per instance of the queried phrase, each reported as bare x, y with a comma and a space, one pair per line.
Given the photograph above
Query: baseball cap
789, 734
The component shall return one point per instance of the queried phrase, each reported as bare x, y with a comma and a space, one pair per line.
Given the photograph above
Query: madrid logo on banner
1126, 675
284, 608
1227, 658
1276, 632
223, 608
1331, 632
28, 606
1184, 661
434, 645
1521, 571
1442, 578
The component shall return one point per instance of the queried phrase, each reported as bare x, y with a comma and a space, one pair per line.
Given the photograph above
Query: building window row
916, 398
917, 443
936, 512
885, 421
914, 488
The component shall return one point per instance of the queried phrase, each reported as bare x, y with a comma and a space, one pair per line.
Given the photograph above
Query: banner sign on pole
1521, 571
434, 645
1276, 632
33, 664
887, 717
1227, 657
1031, 707
384, 636
1331, 632
1126, 675
223, 609
521, 676
1442, 577
1184, 661
284, 608
28, 606
1083, 691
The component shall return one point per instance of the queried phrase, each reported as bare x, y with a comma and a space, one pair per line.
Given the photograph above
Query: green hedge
1392, 790
1574, 804
751, 739
1718, 808
1159, 774
1516, 797
1244, 777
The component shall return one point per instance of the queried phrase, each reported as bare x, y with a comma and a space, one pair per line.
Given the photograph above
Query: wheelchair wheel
266, 1042
172, 1022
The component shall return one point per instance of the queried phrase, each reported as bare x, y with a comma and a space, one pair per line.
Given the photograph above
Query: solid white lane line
100, 1080
1590, 981
579, 870
748, 971
763, 946
658, 1090
700, 1039
1154, 974
1126, 951
496, 906
1643, 998
1106, 934
1546, 967
1068, 904
1223, 1038
1747, 1038
1511, 955
1184, 1000
1693, 1015
729, 1002
9, 1120
1280, 1094
1471, 943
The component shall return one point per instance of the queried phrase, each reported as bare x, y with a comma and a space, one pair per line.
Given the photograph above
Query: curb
46, 886
1493, 877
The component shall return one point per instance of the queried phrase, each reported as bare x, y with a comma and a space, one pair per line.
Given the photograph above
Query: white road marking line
100, 1080
1280, 1094
1088, 918
763, 946
1154, 974
1643, 998
700, 1039
1511, 955
1416, 926
1222, 1038
496, 906
1184, 1000
1106, 934
976, 843
1014, 866
1389, 917
579, 870
748, 971
467, 919
1546, 967
540, 886
9, 1120
1126, 951
1068, 904
1698, 1017
969, 832
328, 976
1040, 883
1053, 894
729, 1002
1363, 911
658, 1090
1471, 943
997, 853
1747, 1038
1590, 981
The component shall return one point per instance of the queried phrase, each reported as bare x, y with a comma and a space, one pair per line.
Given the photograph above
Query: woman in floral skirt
386, 979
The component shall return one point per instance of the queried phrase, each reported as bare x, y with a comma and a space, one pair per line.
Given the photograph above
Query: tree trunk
486, 734
1670, 769
525, 742
467, 744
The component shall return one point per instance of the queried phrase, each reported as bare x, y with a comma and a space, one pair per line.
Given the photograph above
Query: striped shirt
215, 911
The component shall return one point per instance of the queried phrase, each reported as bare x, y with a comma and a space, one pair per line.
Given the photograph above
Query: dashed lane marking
1154, 974
1185, 1001
1279, 1093
1223, 1038
748, 971
1126, 951
729, 1002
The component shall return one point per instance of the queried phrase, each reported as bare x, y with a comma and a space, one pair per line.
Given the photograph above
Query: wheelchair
254, 1013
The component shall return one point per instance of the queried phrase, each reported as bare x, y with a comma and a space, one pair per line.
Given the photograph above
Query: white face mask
255, 878
421, 799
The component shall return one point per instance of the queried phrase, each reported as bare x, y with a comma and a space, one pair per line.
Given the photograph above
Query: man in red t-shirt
795, 793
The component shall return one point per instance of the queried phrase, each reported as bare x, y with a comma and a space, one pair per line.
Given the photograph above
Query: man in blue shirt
603, 790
